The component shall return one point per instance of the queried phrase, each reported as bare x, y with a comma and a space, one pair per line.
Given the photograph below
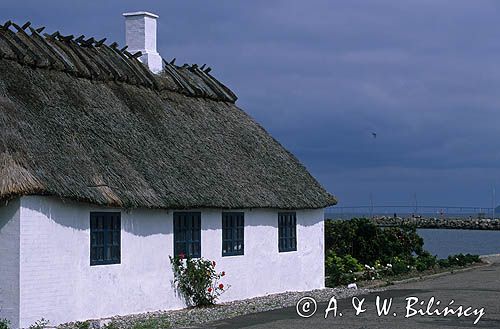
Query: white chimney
140, 35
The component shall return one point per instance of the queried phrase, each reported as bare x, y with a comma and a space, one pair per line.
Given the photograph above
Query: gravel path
196, 316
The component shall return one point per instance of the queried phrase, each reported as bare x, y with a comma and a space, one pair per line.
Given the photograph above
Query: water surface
443, 242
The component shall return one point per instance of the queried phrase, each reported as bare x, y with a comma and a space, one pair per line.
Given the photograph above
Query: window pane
232, 233
108, 253
287, 231
105, 238
187, 233
196, 249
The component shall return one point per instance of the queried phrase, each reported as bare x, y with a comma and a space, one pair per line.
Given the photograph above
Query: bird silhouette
374, 134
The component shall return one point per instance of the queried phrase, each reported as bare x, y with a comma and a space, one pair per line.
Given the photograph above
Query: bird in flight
374, 134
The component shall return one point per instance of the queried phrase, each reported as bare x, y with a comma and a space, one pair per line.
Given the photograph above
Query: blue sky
321, 76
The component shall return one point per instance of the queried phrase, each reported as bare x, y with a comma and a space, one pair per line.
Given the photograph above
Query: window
105, 238
187, 234
287, 231
233, 224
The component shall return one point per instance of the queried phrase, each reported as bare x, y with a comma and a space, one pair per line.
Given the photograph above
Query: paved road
479, 288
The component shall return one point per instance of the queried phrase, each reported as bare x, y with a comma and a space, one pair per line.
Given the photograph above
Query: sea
445, 242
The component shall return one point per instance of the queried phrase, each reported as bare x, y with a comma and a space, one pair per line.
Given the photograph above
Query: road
478, 289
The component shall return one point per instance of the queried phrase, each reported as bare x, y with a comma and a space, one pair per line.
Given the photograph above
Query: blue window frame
287, 231
233, 229
105, 238
187, 234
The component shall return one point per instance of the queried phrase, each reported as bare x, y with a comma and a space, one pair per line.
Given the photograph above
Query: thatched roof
86, 121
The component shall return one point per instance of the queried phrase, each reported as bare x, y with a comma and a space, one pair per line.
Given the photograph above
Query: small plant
4, 324
197, 280
151, 323
341, 270
443, 263
462, 260
82, 325
40, 324
425, 261
370, 273
400, 266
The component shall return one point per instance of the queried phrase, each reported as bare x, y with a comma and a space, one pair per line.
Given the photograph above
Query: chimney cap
141, 13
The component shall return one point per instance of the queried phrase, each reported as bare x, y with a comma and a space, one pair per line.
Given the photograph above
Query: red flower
209, 289
181, 256
221, 286
213, 263
223, 273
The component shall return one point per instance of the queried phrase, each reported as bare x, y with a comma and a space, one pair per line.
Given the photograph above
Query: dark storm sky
320, 76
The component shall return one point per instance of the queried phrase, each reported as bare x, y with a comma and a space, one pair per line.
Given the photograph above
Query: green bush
368, 243
425, 261
463, 260
341, 269
4, 324
443, 263
197, 280
350, 243
339, 236
400, 266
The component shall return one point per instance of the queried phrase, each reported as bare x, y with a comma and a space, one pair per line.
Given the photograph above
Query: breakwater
441, 223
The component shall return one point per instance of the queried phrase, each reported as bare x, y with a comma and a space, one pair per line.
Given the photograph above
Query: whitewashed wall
58, 284
9, 262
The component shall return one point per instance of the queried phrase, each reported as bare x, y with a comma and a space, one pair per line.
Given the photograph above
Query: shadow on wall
8, 210
140, 222
76, 215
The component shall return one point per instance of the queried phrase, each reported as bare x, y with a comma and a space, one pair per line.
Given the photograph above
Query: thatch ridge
95, 60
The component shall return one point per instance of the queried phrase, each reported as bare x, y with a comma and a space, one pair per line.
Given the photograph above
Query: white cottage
108, 166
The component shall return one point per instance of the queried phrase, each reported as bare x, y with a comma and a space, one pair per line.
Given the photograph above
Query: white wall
58, 283
9, 262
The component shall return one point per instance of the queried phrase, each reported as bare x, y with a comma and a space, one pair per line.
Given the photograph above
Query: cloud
321, 76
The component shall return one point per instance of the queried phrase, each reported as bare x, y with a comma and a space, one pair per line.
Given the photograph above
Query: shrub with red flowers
197, 280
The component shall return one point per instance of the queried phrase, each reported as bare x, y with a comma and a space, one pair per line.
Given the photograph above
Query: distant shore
441, 223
